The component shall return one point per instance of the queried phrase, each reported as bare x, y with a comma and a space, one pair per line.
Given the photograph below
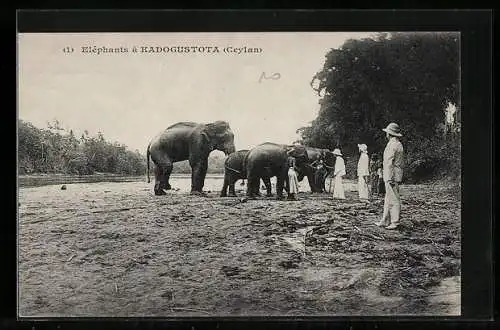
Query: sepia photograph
239, 174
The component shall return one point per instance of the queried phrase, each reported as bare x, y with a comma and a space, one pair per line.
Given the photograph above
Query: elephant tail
148, 153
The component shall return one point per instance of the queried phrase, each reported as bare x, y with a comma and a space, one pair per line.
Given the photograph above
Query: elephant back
266, 155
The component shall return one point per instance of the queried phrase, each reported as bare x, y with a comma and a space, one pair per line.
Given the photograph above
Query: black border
476, 54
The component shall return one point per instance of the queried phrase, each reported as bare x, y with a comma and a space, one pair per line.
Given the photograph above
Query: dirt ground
115, 249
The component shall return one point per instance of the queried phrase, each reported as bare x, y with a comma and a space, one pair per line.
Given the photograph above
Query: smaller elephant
268, 160
234, 171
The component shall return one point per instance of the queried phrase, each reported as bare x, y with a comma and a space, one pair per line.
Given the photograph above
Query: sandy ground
115, 249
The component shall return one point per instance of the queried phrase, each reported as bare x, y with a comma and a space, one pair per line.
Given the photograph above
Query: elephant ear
206, 138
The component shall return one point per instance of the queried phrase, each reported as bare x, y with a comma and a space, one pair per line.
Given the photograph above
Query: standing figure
393, 175
363, 171
320, 173
380, 179
373, 175
338, 173
293, 181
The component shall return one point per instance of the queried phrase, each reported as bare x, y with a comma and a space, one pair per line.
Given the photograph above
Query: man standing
339, 172
320, 175
363, 172
293, 181
373, 175
393, 174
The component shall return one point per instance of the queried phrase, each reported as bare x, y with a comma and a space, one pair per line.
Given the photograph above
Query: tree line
56, 150
407, 78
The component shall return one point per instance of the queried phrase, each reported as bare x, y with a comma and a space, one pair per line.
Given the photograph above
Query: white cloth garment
339, 172
393, 174
293, 181
392, 204
362, 172
393, 160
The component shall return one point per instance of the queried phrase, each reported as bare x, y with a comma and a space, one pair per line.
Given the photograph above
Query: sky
130, 97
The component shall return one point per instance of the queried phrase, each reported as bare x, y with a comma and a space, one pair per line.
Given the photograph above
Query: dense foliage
407, 78
56, 150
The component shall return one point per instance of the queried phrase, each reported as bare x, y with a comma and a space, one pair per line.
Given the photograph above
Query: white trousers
362, 188
392, 204
294, 181
338, 189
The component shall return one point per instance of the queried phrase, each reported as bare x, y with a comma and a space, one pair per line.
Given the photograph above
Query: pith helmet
393, 129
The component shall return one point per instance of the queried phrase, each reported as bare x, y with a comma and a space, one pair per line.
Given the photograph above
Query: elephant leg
223, 192
250, 187
252, 181
319, 183
159, 181
312, 183
232, 182
280, 182
256, 187
198, 173
267, 183
164, 168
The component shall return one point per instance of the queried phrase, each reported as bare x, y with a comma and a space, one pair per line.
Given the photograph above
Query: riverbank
42, 179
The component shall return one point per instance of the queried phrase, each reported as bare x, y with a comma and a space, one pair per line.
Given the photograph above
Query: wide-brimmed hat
337, 152
362, 147
393, 129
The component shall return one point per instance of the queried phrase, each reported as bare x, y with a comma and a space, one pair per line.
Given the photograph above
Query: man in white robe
338, 173
293, 181
363, 172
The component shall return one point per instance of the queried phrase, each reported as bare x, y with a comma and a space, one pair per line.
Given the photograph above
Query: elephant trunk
148, 153
229, 149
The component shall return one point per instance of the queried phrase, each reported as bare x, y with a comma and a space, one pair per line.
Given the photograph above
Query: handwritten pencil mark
274, 76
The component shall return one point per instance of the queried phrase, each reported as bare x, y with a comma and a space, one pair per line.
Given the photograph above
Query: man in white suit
393, 175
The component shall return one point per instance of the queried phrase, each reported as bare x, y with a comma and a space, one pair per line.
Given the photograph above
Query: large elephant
314, 155
270, 159
187, 141
234, 171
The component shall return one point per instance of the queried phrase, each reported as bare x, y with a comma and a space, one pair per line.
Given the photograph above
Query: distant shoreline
43, 179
